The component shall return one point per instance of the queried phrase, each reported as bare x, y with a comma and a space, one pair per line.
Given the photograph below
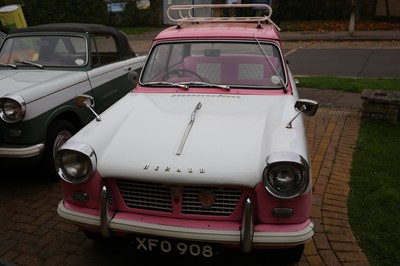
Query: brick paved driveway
31, 232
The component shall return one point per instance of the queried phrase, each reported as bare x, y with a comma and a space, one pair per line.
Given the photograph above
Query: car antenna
285, 89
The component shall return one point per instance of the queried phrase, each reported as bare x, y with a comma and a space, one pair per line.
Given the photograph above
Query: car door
109, 73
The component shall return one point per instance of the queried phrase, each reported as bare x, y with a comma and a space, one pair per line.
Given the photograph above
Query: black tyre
274, 257
94, 236
294, 254
59, 132
289, 256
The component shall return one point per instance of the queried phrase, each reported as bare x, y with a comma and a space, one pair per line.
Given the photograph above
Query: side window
104, 50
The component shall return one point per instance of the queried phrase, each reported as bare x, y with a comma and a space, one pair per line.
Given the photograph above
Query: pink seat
234, 69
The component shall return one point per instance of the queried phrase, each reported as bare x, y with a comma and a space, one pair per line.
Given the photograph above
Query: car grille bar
223, 200
147, 196
196, 200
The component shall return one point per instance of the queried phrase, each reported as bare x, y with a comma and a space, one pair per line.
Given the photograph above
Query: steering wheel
176, 71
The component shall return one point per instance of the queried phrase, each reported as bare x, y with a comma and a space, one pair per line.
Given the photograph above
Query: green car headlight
12, 108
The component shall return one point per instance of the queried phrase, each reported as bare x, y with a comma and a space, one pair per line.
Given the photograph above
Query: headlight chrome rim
286, 169
76, 162
12, 108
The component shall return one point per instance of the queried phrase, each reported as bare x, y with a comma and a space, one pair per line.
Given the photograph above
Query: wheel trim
61, 138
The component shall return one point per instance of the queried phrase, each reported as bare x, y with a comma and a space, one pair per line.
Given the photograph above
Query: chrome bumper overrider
246, 229
246, 237
22, 152
105, 216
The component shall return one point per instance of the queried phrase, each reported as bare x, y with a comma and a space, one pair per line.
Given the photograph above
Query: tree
53, 11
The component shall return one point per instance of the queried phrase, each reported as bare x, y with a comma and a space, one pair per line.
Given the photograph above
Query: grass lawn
374, 199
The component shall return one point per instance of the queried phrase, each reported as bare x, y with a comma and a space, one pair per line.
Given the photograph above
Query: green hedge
87, 11
95, 11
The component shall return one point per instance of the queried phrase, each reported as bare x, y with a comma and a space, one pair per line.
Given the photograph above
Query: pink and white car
208, 153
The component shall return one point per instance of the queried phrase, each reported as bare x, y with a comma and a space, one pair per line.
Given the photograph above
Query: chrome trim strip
104, 216
27, 152
188, 128
247, 229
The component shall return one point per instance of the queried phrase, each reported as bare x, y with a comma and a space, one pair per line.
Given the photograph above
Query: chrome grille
224, 200
157, 197
143, 195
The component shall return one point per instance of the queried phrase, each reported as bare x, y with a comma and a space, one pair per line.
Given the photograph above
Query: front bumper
25, 152
248, 237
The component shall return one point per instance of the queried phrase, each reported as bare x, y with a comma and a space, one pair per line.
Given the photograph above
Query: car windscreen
223, 63
62, 51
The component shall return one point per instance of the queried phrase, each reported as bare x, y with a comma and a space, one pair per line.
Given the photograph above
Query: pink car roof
220, 31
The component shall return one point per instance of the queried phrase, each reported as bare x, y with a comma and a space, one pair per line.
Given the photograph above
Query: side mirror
133, 77
86, 101
308, 107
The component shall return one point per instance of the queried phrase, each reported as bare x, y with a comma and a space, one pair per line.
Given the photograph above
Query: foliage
374, 199
156, 12
88, 11
132, 16
51, 11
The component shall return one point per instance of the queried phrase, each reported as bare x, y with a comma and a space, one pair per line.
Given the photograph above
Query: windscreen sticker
275, 79
79, 62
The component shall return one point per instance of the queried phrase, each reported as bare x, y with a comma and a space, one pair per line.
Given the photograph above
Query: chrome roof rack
185, 14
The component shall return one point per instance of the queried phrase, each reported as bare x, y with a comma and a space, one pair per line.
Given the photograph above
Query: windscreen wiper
157, 83
201, 83
26, 62
9, 65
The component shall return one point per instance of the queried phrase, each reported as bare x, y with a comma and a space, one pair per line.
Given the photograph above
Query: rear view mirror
212, 52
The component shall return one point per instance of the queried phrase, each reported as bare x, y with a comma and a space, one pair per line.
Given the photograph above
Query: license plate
175, 247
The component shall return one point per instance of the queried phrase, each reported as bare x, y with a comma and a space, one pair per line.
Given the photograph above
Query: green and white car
42, 71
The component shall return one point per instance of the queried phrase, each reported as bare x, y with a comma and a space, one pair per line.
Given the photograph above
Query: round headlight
12, 109
286, 177
76, 162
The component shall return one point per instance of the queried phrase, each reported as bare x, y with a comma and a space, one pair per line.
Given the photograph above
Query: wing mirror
86, 101
133, 77
305, 106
